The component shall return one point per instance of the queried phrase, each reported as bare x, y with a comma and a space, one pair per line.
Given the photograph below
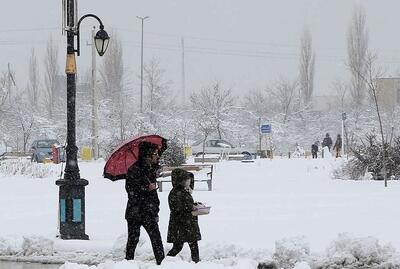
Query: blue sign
265, 128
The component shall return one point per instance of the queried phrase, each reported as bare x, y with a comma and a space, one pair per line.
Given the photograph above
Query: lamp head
101, 41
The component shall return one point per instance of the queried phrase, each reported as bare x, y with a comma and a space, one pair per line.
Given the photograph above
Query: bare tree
257, 102
371, 79
342, 90
112, 77
25, 121
4, 91
52, 72
33, 83
307, 68
215, 105
157, 88
357, 47
284, 93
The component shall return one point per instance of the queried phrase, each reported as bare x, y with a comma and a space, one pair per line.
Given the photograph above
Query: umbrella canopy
127, 154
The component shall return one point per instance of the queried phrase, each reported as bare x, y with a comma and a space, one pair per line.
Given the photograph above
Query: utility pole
183, 72
259, 134
343, 119
141, 66
95, 131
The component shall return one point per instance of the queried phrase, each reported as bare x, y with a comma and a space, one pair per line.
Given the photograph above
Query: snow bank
119, 248
346, 251
24, 167
37, 245
358, 252
9, 245
26, 246
289, 251
302, 265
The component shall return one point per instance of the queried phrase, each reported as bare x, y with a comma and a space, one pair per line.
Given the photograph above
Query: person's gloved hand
152, 186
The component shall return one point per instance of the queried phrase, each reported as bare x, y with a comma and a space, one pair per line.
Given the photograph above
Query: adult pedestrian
143, 203
327, 142
338, 146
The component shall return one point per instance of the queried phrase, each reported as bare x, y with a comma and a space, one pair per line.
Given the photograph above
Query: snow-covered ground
283, 210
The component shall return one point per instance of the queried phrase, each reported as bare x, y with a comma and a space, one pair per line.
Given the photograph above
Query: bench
206, 159
15, 155
166, 172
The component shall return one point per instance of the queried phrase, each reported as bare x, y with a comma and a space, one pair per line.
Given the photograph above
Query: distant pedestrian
327, 142
314, 150
143, 203
183, 226
338, 146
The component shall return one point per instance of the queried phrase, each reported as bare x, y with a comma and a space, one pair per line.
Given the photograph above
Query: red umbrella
127, 154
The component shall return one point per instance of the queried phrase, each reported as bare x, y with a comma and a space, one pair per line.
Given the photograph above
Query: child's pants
194, 250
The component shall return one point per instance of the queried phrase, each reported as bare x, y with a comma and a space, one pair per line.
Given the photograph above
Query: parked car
42, 149
218, 146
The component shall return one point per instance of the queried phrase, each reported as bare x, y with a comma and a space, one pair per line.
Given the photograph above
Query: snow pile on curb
346, 251
358, 252
119, 248
302, 265
26, 246
9, 246
37, 246
290, 251
24, 167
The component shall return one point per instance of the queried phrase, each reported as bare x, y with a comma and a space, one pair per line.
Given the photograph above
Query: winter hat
179, 177
146, 149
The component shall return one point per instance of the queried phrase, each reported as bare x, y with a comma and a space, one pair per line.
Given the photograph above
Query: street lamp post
141, 66
72, 186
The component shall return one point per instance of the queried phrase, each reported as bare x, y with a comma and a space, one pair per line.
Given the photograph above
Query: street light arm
77, 29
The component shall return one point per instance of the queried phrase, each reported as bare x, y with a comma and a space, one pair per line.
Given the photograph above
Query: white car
217, 146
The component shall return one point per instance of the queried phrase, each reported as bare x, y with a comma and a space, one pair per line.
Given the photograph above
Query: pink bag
201, 209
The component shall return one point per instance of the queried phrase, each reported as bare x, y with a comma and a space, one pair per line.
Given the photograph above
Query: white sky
244, 44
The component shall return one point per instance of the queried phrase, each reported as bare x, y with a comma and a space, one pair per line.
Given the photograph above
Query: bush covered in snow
289, 251
24, 167
368, 158
37, 245
174, 154
357, 252
119, 247
9, 246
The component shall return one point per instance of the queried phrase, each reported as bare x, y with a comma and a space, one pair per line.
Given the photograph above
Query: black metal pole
72, 187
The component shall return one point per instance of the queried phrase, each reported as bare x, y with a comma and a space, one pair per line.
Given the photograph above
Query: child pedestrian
183, 226
314, 150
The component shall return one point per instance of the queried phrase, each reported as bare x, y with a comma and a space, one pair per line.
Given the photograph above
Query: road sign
265, 128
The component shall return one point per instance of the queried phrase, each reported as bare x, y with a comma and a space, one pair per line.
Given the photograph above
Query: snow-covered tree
212, 108
115, 97
157, 92
283, 93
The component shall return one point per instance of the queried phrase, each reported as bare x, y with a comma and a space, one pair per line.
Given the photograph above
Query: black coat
142, 203
327, 142
183, 226
314, 148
